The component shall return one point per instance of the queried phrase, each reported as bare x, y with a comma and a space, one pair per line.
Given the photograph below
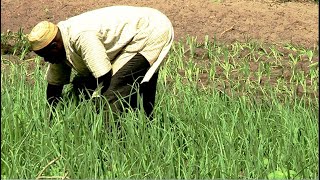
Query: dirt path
230, 20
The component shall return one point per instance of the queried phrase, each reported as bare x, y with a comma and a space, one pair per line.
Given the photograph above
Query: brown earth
269, 21
229, 20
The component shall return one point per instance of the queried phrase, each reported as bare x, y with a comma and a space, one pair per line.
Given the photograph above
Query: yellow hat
42, 34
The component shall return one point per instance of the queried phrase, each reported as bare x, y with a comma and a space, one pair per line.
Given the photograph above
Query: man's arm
94, 55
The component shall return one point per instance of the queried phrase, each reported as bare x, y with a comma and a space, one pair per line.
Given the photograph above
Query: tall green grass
214, 118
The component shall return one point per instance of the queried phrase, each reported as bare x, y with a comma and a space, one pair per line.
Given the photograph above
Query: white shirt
107, 38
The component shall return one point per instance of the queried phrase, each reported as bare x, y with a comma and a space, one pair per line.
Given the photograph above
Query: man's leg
124, 86
148, 92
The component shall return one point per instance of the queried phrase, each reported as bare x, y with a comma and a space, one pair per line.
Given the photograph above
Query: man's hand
105, 81
53, 96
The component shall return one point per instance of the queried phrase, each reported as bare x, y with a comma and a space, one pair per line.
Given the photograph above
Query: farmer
115, 51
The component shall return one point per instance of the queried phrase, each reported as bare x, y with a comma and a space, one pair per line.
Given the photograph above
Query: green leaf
309, 54
282, 174
265, 162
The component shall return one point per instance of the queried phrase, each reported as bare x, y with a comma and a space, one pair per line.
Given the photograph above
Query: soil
269, 21
228, 20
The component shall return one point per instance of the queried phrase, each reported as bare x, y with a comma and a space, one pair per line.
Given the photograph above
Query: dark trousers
125, 87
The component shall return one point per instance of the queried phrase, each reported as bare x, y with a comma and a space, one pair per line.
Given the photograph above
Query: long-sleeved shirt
107, 38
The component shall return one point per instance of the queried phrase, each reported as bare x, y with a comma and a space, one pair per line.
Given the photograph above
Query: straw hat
42, 34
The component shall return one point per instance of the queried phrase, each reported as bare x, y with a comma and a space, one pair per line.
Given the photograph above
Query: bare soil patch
229, 20
274, 22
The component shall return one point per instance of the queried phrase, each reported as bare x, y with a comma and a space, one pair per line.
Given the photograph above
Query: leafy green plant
15, 43
232, 127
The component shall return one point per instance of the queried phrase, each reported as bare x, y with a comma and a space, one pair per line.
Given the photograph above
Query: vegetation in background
240, 110
15, 43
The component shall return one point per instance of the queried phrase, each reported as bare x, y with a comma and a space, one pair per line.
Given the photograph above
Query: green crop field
240, 110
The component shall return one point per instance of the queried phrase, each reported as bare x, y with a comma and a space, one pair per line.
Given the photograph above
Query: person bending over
115, 51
